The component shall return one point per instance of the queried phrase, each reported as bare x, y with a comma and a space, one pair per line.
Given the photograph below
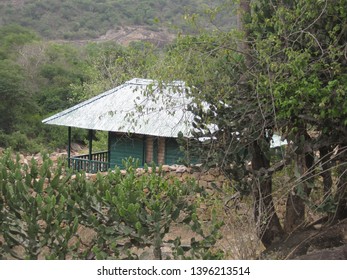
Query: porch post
90, 143
69, 146
90, 136
109, 149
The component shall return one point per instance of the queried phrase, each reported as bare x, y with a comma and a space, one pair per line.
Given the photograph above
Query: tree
12, 37
219, 72
283, 71
63, 65
109, 65
12, 95
305, 62
14, 101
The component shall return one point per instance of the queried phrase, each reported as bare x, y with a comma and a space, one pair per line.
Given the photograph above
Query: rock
150, 170
172, 168
146, 190
196, 175
23, 159
181, 169
203, 184
140, 171
208, 177
86, 235
214, 172
165, 168
318, 226
92, 176
186, 176
336, 253
221, 178
175, 174
76, 147
217, 184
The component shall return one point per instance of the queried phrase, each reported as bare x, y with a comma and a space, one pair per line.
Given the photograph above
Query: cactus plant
42, 207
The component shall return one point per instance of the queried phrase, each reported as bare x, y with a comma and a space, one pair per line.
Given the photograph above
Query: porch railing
98, 162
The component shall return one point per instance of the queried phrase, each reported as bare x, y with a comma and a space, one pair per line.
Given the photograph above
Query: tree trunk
295, 212
269, 229
295, 206
325, 154
341, 192
268, 226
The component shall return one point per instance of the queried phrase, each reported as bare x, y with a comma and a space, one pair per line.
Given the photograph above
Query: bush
138, 211
43, 206
18, 142
36, 211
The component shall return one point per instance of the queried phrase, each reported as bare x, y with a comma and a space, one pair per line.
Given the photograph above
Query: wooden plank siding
172, 151
123, 146
147, 149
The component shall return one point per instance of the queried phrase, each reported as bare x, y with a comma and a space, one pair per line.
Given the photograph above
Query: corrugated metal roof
138, 106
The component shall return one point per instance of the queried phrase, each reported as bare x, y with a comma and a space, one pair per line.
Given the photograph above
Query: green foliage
15, 101
39, 78
307, 78
108, 65
35, 80
10, 81
138, 211
19, 142
302, 59
61, 69
283, 72
289, 78
220, 101
34, 212
13, 36
42, 208
78, 19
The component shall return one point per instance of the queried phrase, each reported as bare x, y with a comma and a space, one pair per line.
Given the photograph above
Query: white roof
138, 106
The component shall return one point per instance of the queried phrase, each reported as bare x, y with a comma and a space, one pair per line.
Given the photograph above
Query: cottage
142, 118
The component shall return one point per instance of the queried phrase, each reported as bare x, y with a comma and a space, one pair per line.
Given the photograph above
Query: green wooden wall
124, 146
172, 151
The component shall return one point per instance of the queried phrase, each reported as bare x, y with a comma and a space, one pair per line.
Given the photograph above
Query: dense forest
81, 19
281, 70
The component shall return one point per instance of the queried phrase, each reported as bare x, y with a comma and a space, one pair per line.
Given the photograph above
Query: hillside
87, 19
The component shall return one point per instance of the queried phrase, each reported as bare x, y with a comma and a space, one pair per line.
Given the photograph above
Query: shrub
138, 211
18, 142
42, 206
